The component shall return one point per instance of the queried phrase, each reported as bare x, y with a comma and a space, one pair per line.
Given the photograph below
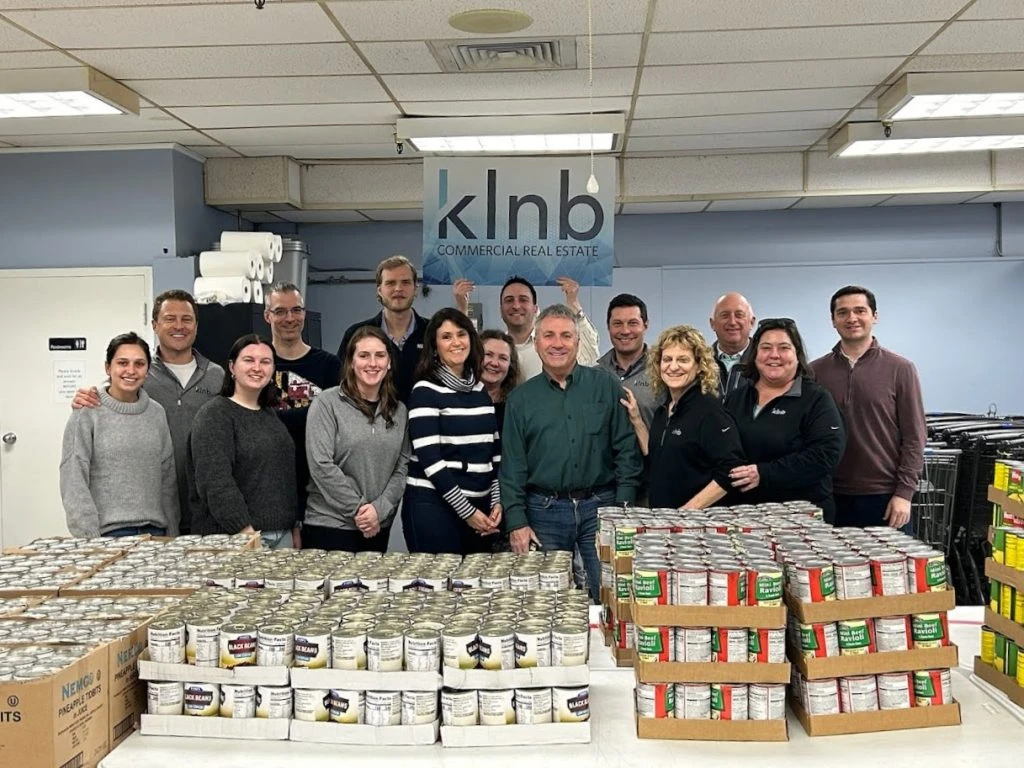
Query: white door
44, 308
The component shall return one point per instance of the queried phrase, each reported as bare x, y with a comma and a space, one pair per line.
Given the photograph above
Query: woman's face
497, 358
253, 367
776, 358
370, 361
452, 345
678, 367
128, 369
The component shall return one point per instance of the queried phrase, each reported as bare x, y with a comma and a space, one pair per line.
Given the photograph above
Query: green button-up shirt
566, 439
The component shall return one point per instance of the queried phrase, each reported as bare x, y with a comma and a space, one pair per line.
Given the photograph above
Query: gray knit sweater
353, 462
117, 468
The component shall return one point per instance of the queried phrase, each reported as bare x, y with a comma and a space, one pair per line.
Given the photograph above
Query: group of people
477, 436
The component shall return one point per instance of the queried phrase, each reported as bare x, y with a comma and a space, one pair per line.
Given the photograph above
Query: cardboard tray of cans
215, 727
871, 607
712, 730
1004, 575
621, 609
533, 677
732, 616
1004, 683
710, 672
946, 657
1002, 498
882, 720
515, 735
366, 735
364, 680
1004, 626
623, 656
189, 673
622, 564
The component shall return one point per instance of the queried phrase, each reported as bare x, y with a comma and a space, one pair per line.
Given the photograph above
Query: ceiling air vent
510, 55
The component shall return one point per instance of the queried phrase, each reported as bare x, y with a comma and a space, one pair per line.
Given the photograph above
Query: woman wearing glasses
791, 430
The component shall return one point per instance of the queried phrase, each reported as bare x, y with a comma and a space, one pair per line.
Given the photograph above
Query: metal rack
931, 512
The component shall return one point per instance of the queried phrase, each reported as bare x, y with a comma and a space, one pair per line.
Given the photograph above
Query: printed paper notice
68, 377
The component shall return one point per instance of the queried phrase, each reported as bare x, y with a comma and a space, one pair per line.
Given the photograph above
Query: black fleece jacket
405, 358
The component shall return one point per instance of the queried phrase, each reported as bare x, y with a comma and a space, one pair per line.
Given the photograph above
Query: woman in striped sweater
451, 496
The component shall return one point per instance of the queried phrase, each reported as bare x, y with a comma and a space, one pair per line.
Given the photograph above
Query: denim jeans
431, 525
571, 525
136, 530
276, 539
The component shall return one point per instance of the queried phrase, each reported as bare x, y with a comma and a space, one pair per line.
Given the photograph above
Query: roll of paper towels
268, 273
229, 264
257, 292
267, 244
223, 290
261, 270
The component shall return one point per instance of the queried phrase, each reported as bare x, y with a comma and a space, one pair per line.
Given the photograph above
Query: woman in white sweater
117, 473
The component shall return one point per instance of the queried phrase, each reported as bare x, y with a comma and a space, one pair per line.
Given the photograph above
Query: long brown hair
388, 394
426, 367
270, 394
512, 377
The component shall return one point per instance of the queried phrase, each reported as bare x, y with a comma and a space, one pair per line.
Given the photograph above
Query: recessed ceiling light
916, 137
930, 96
63, 92
508, 134
490, 21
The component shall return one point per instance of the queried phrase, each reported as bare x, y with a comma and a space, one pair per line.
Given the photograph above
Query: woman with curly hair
692, 444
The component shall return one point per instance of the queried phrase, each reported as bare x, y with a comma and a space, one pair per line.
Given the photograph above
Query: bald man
732, 319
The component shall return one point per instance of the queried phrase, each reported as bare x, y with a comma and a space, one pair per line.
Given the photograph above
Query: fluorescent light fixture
925, 136
514, 134
63, 92
927, 96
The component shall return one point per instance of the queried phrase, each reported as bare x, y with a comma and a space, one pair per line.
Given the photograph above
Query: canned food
764, 584
346, 707
460, 648
655, 700
202, 641
988, 645
654, 644
570, 645
766, 701
821, 696
496, 648
1000, 657
895, 690
858, 694
729, 645
892, 633
459, 707
273, 702
419, 707
165, 698
313, 646
766, 646
692, 701
384, 650
932, 687
422, 650
729, 701
238, 644
496, 707
311, 704
652, 583
813, 581
201, 699
690, 584
532, 646
275, 646
624, 634
383, 708
237, 701
926, 571
929, 630
348, 647
888, 574
727, 585
856, 637
532, 705
692, 644
167, 641
570, 705
819, 641
1010, 660
852, 577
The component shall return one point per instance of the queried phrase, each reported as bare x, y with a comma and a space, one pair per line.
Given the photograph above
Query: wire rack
931, 512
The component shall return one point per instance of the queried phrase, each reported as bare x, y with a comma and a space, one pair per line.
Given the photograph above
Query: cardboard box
215, 727
367, 735
1004, 683
1004, 626
535, 677
1002, 574
773, 617
126, 694
876, 663
871, 607
684, 672
873, 722
188, 673
1010, 505
362, 680
77, 591
515, 735
712, 730
60, 720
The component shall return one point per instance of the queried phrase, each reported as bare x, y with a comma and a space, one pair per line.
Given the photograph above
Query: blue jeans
431, 525
136, 530
571, 525
863, 510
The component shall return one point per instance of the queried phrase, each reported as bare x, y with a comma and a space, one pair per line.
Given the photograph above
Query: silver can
165, 698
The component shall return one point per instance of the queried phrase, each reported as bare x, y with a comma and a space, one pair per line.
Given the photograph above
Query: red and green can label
651, 587
654, 644
929, 630
764, 587
856, 637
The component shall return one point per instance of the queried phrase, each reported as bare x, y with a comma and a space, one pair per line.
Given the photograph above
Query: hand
87, 397
367, 520
631, 405
745, 478
482, 524
571, 289
897, 512
521, 538
296, 538
461, 291
495, 516
248, 529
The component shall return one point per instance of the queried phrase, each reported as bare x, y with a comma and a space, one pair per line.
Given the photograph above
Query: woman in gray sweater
358, 452
241, 457
117, 463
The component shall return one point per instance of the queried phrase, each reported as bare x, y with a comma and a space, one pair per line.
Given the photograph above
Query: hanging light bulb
592, 186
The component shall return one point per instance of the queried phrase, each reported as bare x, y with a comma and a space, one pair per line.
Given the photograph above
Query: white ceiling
326, 80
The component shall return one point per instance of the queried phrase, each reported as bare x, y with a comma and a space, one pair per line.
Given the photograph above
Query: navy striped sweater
455, 445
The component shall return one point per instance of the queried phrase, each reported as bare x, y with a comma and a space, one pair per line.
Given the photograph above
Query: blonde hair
689, 337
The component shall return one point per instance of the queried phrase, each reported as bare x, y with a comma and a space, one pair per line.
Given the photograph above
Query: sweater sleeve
169, 492
720, 441
823, 440
913, 431
213, 458
514, 469
338, 489
387, 503
496, 463
589, 350
425, 433
83, 517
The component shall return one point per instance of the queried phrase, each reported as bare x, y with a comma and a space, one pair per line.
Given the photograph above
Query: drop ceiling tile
7, 5
668, 207
260, 217
761, 122
787, 44
380, 151
241, 91
1000, 197
515, 107
291, 114
417, 20
684, 15
741, 102
759, 204
221, 24
977, 62
248, 61
395, 214
214, 151
298, 135
930, 198
610, 51
536, 85
320, 217
841, 201
995, 9
713, 142
36, 60
108, 139
766, 76
13, 39
147, 120
979, 37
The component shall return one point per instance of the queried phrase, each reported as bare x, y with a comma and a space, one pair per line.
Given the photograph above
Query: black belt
576, 494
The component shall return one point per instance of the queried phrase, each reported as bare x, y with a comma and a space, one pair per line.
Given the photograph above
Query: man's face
397, 289
557, 342
626, 328
175, 326
853, 318
286, 315
732, 322
518, 309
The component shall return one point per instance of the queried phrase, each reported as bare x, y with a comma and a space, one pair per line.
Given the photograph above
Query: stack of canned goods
871, 693
711, 701
1008, 546
856, 637
22, 663
101, 543
73, 609
710, 644
48, 570
1002, 653
155, 566
219, 700
67, 629
519, 706
14, 606
357, 707
530, 571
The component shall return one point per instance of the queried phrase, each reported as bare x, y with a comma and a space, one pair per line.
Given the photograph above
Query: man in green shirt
567, 449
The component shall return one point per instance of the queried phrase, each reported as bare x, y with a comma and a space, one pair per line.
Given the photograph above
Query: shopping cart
931, 512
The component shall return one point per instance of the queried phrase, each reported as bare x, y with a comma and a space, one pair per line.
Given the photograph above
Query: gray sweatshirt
117, 468
353, 462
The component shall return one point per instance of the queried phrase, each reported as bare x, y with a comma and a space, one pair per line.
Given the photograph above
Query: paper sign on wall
68, 377
486, 219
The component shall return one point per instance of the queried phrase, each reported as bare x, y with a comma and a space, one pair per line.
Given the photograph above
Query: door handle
9, 438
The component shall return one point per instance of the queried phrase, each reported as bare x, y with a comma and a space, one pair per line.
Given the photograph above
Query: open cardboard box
498, 679
872, 722
1004, 575
1002, 498
77, 591
876, 663
871, 607
740, 616
515, 735
683, 672
215, 727
366, 735
189, 673
712, 730
1004, 626
622, 564
997, 679
363, 680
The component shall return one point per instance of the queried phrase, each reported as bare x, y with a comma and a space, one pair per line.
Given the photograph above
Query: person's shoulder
824, 360
215, 407
895, 359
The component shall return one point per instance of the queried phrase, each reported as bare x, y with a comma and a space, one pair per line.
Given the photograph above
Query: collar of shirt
568, 379
638, 364
408, 331
725, 357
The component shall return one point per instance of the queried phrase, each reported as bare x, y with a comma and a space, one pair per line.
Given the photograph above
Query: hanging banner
488, 218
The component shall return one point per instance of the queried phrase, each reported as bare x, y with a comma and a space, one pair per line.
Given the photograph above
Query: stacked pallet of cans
868, 633
615, 551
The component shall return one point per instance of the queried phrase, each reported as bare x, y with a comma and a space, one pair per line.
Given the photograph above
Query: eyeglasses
777, 322
284, 312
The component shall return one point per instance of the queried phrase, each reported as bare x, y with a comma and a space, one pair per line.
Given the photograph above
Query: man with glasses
627, 359
732, 320
879, 395
301, 373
